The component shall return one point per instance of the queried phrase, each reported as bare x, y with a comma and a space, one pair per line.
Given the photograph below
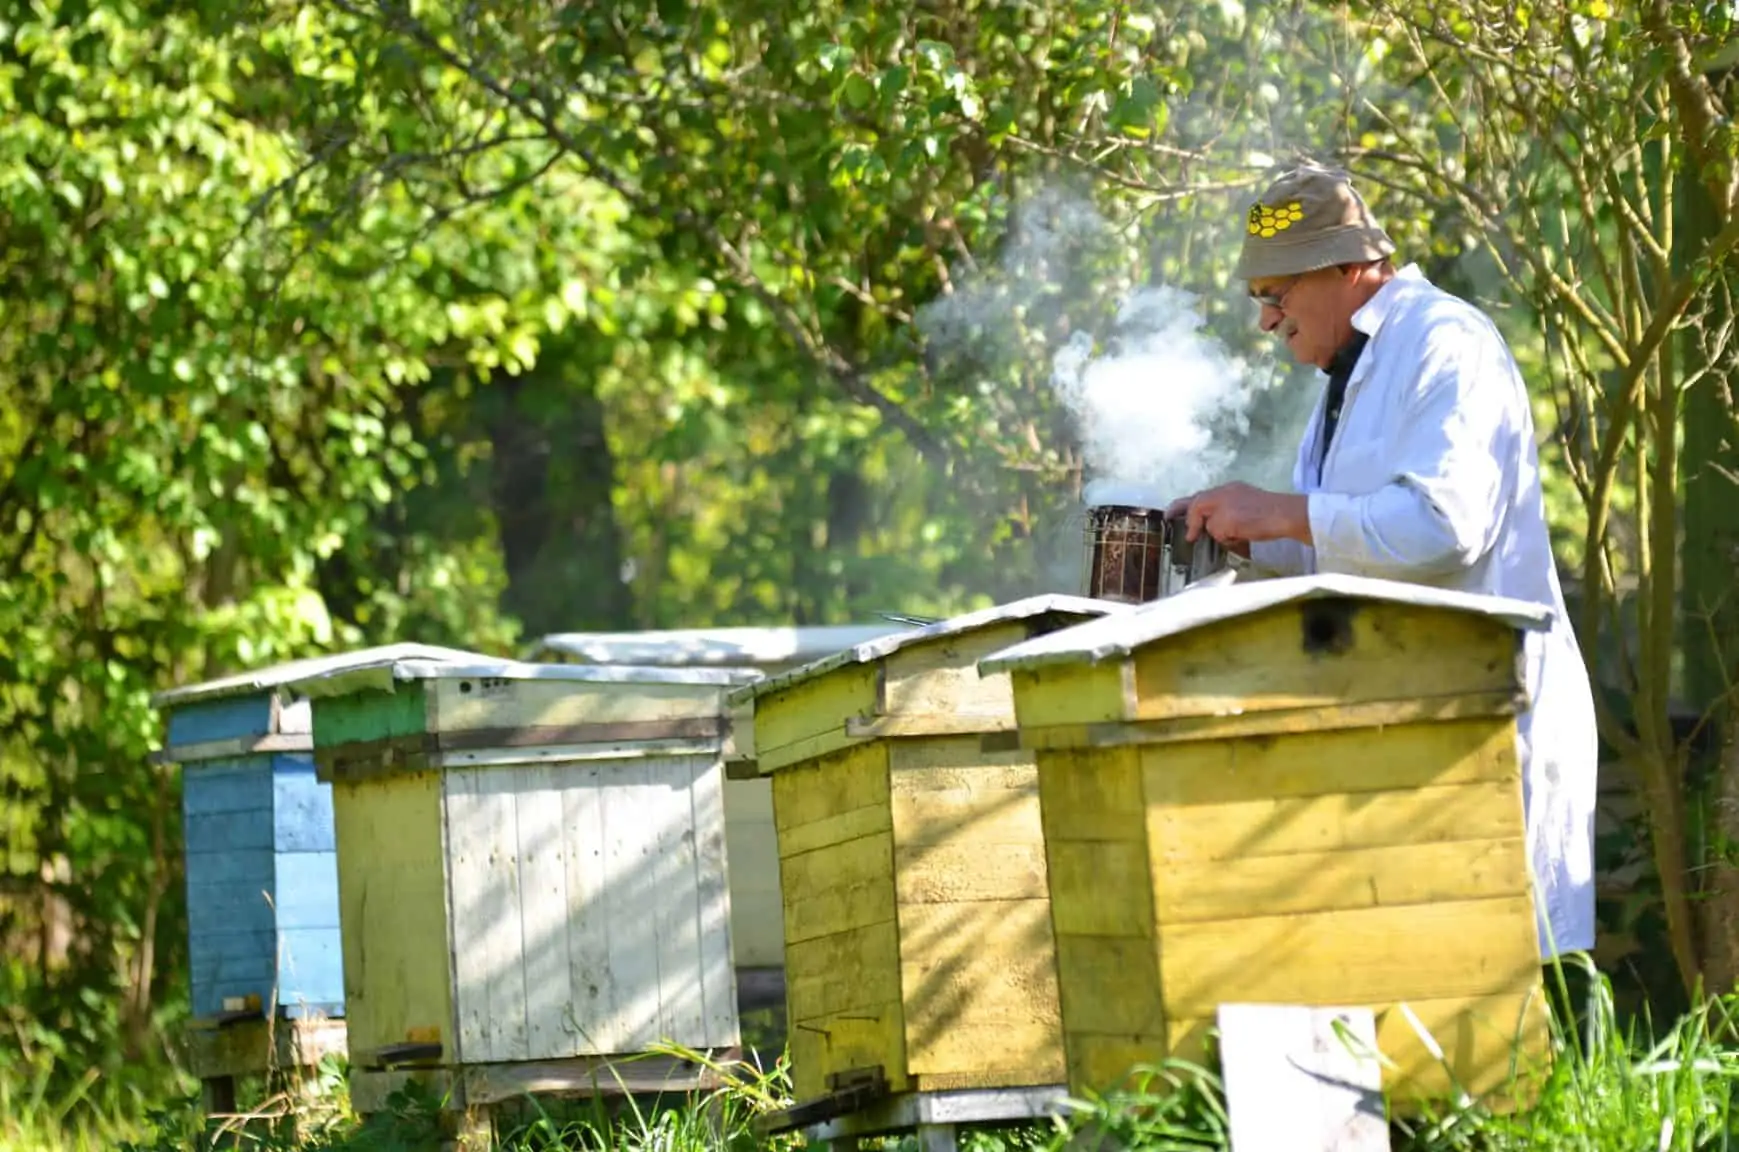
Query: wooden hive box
261, 869
531, 871
1298, 791
261, 873
757, 932
916, 923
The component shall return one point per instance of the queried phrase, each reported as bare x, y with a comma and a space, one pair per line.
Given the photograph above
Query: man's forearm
1293, 515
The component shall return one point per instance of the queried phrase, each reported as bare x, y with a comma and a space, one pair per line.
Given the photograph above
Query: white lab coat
1433, 477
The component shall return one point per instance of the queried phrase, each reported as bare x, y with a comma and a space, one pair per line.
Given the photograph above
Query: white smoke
1163, 411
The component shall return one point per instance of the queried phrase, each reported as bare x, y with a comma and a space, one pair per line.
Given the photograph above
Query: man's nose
1269, 318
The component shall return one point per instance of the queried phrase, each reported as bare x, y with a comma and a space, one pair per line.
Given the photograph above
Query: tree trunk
552, 476
1709, 607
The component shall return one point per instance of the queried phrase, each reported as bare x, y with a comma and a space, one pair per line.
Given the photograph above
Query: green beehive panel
369, 716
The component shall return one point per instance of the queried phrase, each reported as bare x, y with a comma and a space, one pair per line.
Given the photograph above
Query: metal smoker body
1136, 555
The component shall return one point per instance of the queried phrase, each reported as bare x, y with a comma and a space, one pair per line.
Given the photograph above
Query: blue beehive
262, 873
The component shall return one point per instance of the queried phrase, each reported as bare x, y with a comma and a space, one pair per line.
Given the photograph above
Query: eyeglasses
1276, 299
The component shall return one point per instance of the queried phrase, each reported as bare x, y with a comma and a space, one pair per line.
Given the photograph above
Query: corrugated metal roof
278, 675
1193, 608
718, 647
885, 646
385, 675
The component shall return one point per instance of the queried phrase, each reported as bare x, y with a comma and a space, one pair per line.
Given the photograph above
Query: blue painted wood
307, 890
311, 971
240, 903
221, 719
262, 880
234, 784
302, 804
229, 831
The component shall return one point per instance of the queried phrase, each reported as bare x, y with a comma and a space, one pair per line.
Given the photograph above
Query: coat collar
1369, 318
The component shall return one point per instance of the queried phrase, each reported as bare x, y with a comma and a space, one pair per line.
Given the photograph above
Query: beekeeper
1418, 464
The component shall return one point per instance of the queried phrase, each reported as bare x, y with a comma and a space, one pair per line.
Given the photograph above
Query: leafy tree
1567, 136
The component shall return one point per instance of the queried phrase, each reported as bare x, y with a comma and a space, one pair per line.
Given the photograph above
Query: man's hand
1234, 514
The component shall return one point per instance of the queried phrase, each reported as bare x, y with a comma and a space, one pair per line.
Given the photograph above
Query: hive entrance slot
1328, 626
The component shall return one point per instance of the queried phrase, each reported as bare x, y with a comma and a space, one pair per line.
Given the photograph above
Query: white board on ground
1302, 1079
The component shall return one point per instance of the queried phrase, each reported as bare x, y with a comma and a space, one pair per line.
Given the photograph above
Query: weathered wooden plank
669, 807
865, 1038
974, 869
1071, 694
306, 890
940, 676
1091, 794
301, 805
462, 704
799, 714
310, 971
1350, 761
476, 906
953, 763
225, 718
370, 716
986, 965
216, 978
630, 893
1269, 827
235, 784
1277, 722
1102, 1062
1301, 1078
714, 922
545, 911
393, 905
1100, 887
229, 832
1292, 656
595, 1076
1110, 984
1466, 948
852, 824
855, 778
839, 887
844, 973
224, 888
590, 976
1496, 1047
1333, 881
956, 793
239, 944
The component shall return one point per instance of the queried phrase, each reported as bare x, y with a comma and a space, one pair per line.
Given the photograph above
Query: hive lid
1115, 637
384, 676
281, 675
885, 646
718, 647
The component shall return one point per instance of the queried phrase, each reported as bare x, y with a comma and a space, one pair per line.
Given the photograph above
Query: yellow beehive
1299, 791
917, 925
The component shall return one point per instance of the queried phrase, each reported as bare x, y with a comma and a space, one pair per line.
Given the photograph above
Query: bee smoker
1136, 555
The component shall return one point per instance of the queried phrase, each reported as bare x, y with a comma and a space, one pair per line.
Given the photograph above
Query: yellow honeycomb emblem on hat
1266, 221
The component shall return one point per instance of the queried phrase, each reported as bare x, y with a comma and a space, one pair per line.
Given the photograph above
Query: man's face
1312, 314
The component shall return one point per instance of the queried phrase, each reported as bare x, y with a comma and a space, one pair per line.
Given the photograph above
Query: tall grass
1610, 1088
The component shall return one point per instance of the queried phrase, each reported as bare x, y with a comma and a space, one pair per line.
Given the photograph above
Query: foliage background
339, 323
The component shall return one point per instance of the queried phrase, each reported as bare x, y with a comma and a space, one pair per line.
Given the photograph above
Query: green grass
1635, 1089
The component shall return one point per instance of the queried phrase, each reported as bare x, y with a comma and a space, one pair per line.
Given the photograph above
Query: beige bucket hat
1309, 218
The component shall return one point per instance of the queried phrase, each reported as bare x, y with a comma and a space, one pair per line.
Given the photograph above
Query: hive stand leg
936, 1138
